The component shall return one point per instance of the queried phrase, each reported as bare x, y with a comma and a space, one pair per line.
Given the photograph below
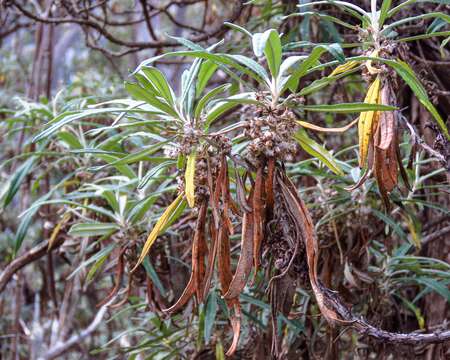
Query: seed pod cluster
206, 163
270, 132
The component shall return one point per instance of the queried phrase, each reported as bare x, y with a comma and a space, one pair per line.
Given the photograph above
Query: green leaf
17, 179
93, 229
188, 86
392, 223
140, 93
151, 272
27, 217
318, 151
437, 24
252, 65
154, 171
396, 9
435, 285
137, 156
145, 83
100, 254
385, 6
310, 61
138, 211
23, 229
110, 197
337, 52
298, 73
93, 208
204, 100
288, 64
207, 70
122, 168
97, 265
348, 107
407, 74
272, 51
210, 315
423, 36
353, 9
438, 15
159, 81
324, 17
227, 104
70, 116
239, 28
269, 44
70, 139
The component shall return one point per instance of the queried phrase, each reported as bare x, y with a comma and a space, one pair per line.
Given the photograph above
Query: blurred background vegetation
72, 227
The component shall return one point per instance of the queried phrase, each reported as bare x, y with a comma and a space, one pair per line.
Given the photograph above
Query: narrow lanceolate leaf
273, 52
17, 180
302, 69
344, 67
244, 265
160, 83
189, 178
407, 74
345, 108
93, 229
161, 223
387, 122
366, 120
318, 151
269, 44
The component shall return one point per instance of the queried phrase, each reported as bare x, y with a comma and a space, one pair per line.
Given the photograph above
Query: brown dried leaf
240, 191
224, 261
193, 284
308, 235
245, 261
258, 217
211, 260
202, 253
269, 184
236, 325
387, 121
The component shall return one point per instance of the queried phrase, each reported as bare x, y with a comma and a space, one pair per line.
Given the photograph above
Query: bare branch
90, 23
31, 255
76, 338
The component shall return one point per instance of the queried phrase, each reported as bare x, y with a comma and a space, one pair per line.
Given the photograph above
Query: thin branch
364, 328
435, 235
27, 258
215, 32
63, 347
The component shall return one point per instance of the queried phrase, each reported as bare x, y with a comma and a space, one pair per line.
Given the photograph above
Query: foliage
220, 166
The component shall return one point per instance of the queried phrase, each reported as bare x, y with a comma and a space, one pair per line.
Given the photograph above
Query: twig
76, 338
31, 255
435, 235
363, 327
422, 143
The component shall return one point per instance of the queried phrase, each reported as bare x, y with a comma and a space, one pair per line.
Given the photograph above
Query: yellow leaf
189, 179
160, 224
372, 70
344, 67
57, 229
324, 129
366, 120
